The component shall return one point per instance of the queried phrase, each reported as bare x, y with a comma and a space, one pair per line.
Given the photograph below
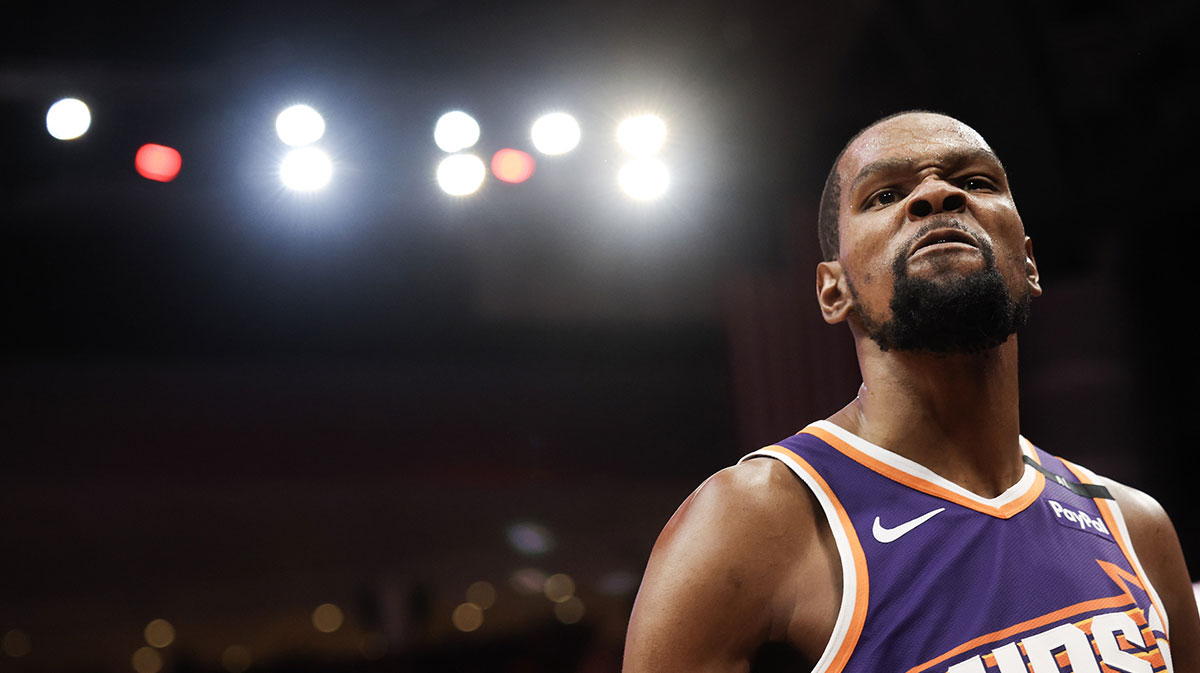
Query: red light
512, 165
158, 162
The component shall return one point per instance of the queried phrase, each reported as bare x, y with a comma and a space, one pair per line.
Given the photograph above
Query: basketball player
916, 530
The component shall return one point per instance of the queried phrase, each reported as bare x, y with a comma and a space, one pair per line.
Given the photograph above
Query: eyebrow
952, 158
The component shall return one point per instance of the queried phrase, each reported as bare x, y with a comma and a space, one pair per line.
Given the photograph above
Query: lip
946, 238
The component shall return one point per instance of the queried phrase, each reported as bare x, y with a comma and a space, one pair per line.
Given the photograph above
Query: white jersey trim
850, 579
1016, 491
1131, 553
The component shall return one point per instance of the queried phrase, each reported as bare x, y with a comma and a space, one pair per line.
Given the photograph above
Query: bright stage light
456, 131
555, 133
461, 174
643, 179
300, 125
157, 162
306, 169
68, 119
642, 136
512, 165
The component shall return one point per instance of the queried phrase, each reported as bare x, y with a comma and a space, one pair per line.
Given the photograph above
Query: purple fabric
963, 574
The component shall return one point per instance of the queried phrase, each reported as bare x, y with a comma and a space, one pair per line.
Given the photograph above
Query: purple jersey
1039, 579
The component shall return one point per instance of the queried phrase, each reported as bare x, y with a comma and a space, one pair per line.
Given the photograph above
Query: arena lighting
157, 162
68, 119
481, 593
456, 131
643, 179
467, 617
512, 166
299, 125
306, 169
327, 618
569, 611
461, 174
530, 538
643, 135
159, 633
15, 643
555, 133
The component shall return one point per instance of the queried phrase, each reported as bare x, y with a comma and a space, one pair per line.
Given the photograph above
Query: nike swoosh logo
886, 535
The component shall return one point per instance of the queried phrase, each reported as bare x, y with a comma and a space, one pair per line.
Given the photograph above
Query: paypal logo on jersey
1077, 518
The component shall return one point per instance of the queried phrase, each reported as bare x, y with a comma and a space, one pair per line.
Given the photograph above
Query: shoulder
757, 502
1149, 526
724, 575
1158, 550
1150, 530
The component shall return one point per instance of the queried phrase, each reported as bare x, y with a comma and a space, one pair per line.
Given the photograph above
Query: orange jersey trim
1126, 546
1006, 511
859, 616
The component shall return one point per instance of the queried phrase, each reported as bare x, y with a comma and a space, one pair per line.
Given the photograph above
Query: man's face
931, 244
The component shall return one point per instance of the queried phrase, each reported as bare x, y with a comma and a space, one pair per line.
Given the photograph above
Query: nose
933, 197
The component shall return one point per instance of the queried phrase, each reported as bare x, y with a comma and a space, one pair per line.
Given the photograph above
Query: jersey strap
1086, 490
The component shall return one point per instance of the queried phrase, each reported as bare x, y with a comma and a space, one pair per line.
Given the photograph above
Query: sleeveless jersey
936, 579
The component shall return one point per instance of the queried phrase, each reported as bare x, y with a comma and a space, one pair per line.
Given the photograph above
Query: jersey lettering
1071, 647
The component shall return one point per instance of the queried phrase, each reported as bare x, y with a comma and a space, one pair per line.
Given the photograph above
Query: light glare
299, 125
461, 174
456, 131
569, 611
559, 587
68, 119
530, 538
644, 179
157, 162
146, 660
159, 633
513, 166
481, 593
306, 169
643, 135
555, 133
15, 643
467, 617
327, 618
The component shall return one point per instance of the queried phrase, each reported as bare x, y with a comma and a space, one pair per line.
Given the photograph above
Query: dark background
224, 404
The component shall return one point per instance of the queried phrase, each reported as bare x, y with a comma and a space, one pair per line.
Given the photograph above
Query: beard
964, 315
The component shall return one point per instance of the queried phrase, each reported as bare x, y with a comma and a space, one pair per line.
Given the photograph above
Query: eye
883, 197
977, 183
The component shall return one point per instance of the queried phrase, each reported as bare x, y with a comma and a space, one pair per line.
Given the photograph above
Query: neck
957, 415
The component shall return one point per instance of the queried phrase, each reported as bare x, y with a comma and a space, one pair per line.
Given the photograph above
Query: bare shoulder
757, 505
759, 493
1153, 534
723, 576
1157, 546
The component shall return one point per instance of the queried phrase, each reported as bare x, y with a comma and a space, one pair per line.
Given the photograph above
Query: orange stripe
895, 474
860, 563
1003, 634
1111, 521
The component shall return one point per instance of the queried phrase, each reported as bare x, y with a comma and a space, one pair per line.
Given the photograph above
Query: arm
1157, 547
738, 565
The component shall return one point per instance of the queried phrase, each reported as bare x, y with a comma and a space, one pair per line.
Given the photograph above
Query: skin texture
748, 558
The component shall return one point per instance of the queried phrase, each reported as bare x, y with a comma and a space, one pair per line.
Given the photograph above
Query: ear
1031, 271
833, 293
